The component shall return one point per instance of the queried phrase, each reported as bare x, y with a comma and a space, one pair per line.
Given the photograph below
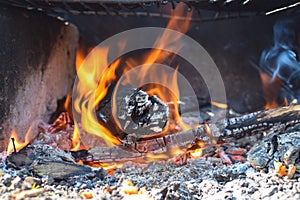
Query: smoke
285, 33
280, 61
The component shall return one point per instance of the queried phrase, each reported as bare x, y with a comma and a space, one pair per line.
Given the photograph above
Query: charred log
40, 158
259, 121
227, 128
139, 115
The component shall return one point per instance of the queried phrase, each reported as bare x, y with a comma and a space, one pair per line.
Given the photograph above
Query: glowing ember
196, 150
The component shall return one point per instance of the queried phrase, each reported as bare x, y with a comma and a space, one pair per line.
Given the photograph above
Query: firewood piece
259, 121
80, 155
232, 127
113, 154
141, 115
59, 169
140, 148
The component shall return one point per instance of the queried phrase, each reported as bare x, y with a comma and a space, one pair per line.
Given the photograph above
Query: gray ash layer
199, 179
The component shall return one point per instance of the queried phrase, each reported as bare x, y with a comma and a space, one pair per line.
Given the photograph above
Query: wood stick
13, 143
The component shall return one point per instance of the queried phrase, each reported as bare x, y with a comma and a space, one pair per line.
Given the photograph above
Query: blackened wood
141, 115
259, 121
232, 127
44, 160
138, 115
26, 156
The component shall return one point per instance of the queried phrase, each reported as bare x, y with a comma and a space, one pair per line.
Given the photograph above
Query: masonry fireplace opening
96, 90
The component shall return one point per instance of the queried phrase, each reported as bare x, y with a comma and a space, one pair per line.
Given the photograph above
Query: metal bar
105, 1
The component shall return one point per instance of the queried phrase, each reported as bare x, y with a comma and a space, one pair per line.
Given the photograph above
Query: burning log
46, 160
226, 128
138, 115
260, 121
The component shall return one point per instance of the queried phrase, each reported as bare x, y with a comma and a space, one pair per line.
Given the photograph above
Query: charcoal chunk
142, 115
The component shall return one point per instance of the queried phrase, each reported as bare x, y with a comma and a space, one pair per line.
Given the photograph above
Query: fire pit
175, 100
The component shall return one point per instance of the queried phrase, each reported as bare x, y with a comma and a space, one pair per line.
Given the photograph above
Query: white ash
198, 179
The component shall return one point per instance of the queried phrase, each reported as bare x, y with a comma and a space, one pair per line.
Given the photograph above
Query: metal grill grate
220, 8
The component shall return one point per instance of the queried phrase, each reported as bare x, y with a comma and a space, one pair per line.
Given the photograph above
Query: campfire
139, 107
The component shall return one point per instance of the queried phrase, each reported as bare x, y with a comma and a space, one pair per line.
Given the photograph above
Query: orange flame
75, 139
92, 89
87, 99
271, 89
80, 55
154, 74
68, 104
18, 144
76, 142
196, 152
